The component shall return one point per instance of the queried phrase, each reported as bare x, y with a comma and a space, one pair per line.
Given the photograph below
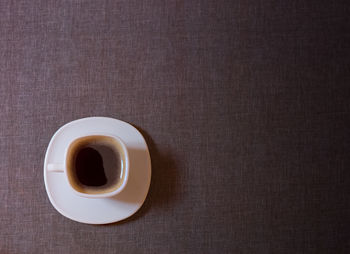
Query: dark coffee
89, 167
97, 165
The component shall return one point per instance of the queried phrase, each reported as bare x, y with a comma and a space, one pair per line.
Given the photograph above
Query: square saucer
98, 210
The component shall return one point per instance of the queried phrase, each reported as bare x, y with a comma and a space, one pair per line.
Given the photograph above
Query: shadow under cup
96, 164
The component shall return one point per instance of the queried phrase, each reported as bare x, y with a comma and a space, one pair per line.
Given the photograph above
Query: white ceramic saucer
101, 210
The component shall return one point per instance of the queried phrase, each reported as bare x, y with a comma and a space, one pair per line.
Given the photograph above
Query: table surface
244, 106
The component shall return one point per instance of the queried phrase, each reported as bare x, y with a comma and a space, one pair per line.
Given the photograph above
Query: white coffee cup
95, 165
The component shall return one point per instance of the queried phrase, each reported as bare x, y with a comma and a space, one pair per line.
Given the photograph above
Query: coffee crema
95, 165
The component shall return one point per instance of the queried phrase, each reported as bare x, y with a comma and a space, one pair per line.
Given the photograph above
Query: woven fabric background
244, 105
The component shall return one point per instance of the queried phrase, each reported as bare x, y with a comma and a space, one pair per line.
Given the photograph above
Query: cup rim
126, 176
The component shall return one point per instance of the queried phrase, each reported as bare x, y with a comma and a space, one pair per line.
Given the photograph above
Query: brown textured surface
244, 105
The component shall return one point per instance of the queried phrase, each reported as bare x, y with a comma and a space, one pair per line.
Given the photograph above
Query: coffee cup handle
55, 167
